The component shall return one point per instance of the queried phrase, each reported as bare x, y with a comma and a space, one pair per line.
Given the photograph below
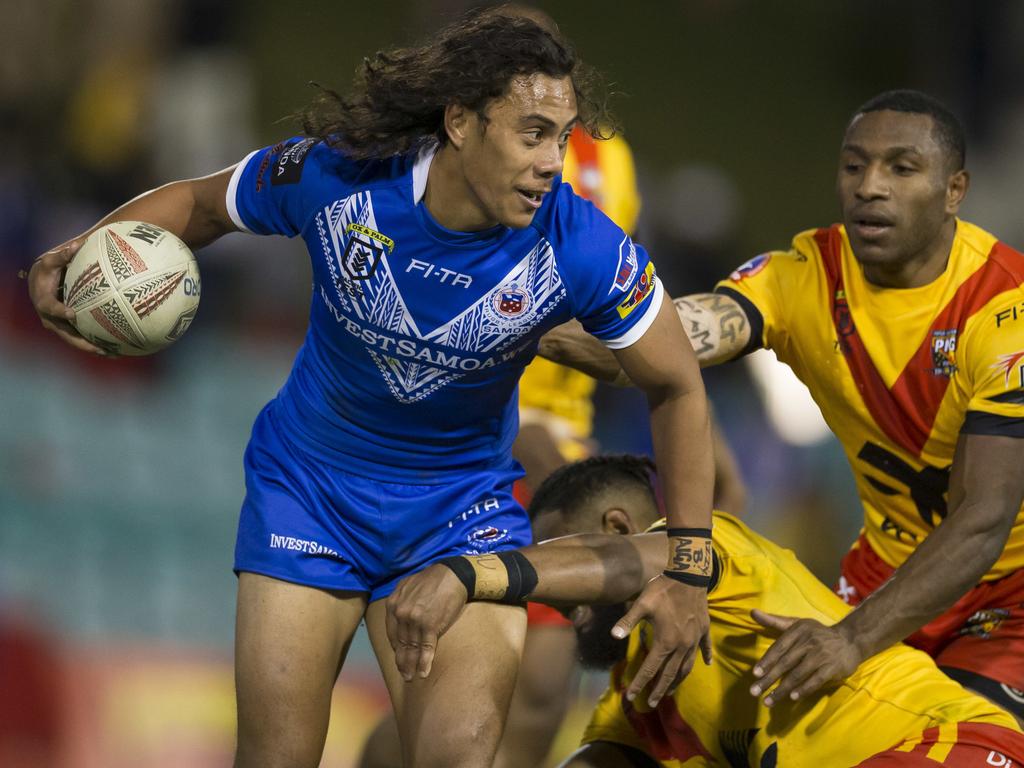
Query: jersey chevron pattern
899, 374
712, 720
478, 330
418, 334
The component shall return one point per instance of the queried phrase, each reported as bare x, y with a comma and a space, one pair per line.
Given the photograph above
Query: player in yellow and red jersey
895, 709
907, 325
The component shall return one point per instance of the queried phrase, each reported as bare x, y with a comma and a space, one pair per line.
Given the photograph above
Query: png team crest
944, 352
363, 251
750, 268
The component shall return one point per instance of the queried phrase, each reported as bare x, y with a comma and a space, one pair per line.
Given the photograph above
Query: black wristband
463, 571
522, 577
702, 533
690, 579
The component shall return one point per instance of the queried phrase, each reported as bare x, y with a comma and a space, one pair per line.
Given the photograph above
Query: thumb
626, 624
772, 620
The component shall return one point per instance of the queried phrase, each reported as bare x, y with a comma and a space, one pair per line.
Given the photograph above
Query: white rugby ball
134, 288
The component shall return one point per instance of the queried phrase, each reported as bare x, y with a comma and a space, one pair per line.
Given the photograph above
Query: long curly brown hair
398, 98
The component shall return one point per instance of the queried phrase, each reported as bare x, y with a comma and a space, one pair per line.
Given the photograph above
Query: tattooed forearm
716, 325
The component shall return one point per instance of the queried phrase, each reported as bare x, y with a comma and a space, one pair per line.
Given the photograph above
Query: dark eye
903, 170
852, 167
534, 136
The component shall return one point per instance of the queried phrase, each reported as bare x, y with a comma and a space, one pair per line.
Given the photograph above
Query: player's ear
956, 191
617, 520
457, 121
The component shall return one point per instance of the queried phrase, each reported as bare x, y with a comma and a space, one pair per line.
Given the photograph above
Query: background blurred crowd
120, 481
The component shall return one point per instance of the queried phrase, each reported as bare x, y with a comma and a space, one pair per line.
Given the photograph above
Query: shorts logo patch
363, 251
983, 623
750, 268
641, 290
944, 352
485, 539
627, 265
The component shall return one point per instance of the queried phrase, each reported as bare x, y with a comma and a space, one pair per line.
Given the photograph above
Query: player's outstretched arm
587, 568
663, 365
716, 325
195, 210
985, 495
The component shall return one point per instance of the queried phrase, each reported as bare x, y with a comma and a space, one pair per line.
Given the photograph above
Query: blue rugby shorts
311, 523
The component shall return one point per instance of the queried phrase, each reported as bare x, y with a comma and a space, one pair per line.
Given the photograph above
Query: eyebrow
889, 152
547, 121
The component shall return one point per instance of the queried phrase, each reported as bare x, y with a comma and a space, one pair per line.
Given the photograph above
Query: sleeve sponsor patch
627, 265
750, 268
288, 169
641, 290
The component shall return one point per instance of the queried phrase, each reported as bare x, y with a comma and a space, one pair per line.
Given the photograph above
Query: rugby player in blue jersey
443, 245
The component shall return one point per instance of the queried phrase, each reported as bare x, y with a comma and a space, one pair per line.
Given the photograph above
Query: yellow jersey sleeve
774, 288
993, 362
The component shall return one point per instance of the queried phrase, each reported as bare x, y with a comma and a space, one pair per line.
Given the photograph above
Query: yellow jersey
898, 374
712, 720
604, 173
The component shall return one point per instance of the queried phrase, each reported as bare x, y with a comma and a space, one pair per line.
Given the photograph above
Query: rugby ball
134, 288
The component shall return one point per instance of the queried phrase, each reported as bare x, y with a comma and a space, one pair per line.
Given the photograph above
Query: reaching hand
44, 286
421, 609
805, 657
678, 615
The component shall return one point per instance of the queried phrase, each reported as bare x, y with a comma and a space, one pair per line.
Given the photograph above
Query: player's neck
922, 268
450, 199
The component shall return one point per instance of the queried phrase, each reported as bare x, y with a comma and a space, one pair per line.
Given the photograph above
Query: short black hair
571, 487
948, 130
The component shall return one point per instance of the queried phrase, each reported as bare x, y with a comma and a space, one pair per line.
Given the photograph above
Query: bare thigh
455, 717
290, 642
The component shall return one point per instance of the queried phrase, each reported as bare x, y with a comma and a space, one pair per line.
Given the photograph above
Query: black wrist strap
464, 571
690, 579
701, 533
522, 577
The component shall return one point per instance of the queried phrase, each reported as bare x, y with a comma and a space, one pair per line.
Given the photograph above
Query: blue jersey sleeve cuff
639, 328
232, 194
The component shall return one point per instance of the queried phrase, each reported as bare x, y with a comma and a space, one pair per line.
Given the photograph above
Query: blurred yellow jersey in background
712, 720
603, 172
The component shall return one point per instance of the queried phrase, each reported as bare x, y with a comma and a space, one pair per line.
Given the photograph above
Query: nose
549, 160
873, 184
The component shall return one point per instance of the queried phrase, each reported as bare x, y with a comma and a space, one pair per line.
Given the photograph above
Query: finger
647, 671
772, 620
76, 340
767, 672
778, 649
812, 684
62, 255
792, 680
705, 647
625, 625
426, 654
670, 672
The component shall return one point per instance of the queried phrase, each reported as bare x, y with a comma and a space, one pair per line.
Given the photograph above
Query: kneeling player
897, 708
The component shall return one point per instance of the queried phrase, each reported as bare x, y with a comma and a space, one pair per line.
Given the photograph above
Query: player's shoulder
309, 160
565, 217
996, 254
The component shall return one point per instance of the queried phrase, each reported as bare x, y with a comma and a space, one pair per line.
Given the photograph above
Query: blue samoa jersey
418, 334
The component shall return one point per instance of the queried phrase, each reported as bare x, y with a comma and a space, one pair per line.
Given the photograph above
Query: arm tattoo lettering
716, 325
